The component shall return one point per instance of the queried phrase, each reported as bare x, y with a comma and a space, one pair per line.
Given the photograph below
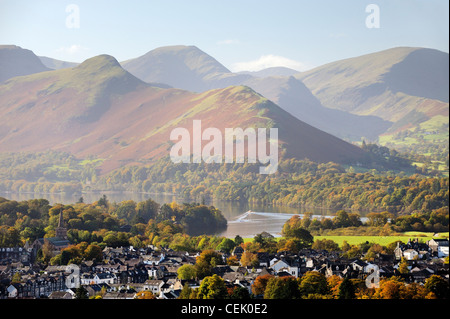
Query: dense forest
297, 183
104, 222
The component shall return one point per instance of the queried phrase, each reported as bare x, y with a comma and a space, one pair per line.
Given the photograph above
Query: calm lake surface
244, 219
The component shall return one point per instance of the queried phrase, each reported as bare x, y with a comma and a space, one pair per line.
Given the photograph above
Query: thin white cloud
74, 49
268, 61
228, 42
338, 35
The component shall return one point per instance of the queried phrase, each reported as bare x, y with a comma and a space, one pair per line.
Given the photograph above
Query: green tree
293, 229
185, 292
212, 287
238, 240
186, 272
16, 278
205, 263
346, 289
282, 288
81, 293
438, 286
313, 282
226, 245
103, 201
93, 252
403, 266
239, 293
325, 244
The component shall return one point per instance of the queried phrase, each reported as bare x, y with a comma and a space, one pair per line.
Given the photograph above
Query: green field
382, 240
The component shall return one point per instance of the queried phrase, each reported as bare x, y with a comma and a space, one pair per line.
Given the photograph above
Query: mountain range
357, 98
98, 108
124, 112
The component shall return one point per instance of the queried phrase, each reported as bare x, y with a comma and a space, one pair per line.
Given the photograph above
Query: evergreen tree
346, 289
81, 293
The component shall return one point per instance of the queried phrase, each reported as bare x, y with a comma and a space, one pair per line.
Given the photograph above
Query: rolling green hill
407, 86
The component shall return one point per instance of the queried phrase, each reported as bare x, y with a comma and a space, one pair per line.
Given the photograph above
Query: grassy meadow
381, 240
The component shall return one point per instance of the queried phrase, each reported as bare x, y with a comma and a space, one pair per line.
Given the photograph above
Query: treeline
111, 224
297, 183
415, 144
314, 285
383, 223
45, 172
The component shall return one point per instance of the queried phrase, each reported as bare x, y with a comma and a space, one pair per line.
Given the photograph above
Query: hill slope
407, 86
55, 64
184, 67
389, 84
15, 61
294, 97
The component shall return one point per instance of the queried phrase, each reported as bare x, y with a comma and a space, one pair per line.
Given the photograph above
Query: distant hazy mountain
15, 61
274, 71
192, 69
55, 64
184, 67
390, 84
294, 97
98, 108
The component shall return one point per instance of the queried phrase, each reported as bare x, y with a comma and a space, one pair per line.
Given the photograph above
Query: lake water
244, 219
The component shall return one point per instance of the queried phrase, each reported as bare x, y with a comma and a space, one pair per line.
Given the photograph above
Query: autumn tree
238, 293
325, 244
93, 252
145, 294
207, 260
403, 266
293, 229
260, 284
391, 288
186, 292
334, 282
438, 286
249, 259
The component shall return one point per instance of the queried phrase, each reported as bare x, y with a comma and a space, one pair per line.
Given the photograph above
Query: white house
442, 251
105, 278
152, 260
153, 285
282, 265
12, 291
410, 254
99, 278
439, 247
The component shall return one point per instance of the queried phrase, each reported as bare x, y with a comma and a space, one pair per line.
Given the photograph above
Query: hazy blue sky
244, 34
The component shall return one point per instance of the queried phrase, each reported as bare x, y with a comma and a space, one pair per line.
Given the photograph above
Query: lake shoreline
271, 218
